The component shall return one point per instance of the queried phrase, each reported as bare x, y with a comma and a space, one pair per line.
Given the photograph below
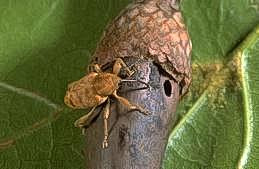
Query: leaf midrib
27, 93
248, 111
9, 141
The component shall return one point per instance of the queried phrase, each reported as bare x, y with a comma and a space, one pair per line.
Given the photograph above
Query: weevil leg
140, 81
85, 121
94, 68
106, 114
119, 63
129, 105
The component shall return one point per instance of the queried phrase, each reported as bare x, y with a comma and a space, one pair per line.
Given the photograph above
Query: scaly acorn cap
150, 29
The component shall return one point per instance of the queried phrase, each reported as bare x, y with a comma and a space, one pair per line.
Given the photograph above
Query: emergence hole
168, 88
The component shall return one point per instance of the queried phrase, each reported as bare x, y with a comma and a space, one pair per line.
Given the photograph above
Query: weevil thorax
106, 83
81, 94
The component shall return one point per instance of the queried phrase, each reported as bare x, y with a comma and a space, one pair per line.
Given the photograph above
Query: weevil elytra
95, 89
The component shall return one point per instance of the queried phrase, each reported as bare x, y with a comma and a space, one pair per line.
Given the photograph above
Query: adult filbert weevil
95, 89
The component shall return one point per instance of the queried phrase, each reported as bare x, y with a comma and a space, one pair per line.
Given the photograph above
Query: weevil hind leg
119, 63
85, 121
106, 114
129, 105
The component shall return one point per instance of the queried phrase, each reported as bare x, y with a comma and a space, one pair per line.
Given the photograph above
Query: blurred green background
46, 44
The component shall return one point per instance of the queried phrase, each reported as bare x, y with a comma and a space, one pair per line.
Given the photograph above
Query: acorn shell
152, 30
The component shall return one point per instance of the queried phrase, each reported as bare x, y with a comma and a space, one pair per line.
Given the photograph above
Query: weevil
95, 89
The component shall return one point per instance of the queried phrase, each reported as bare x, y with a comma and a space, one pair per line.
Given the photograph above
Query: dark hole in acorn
168, 88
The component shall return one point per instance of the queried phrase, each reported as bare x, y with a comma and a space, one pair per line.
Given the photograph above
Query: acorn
153, 30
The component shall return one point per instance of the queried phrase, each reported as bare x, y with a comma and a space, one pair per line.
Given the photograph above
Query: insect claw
76, 123
130, 73
131, 70
105, 143
83, 131
140, 109
143, 111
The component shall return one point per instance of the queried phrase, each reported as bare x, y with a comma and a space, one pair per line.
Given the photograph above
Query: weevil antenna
140, 81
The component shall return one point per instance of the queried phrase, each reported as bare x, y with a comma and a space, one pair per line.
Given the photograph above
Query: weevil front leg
94, 68
119, 63
106, 114
85, 121
129, 105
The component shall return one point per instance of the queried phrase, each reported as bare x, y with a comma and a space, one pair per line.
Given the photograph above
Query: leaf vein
29, 94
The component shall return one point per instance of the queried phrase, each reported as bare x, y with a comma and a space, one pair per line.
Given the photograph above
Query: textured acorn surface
153, 30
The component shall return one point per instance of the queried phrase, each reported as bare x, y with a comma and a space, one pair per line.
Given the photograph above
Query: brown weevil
95, 89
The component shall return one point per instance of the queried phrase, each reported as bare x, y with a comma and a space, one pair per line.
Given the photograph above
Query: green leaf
44, 45
210, 135
216, 26
249, 64
219, 125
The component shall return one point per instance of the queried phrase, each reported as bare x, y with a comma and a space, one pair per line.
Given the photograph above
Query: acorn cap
150, 29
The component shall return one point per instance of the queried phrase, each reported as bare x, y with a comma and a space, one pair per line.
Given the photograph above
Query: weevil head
81, 94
